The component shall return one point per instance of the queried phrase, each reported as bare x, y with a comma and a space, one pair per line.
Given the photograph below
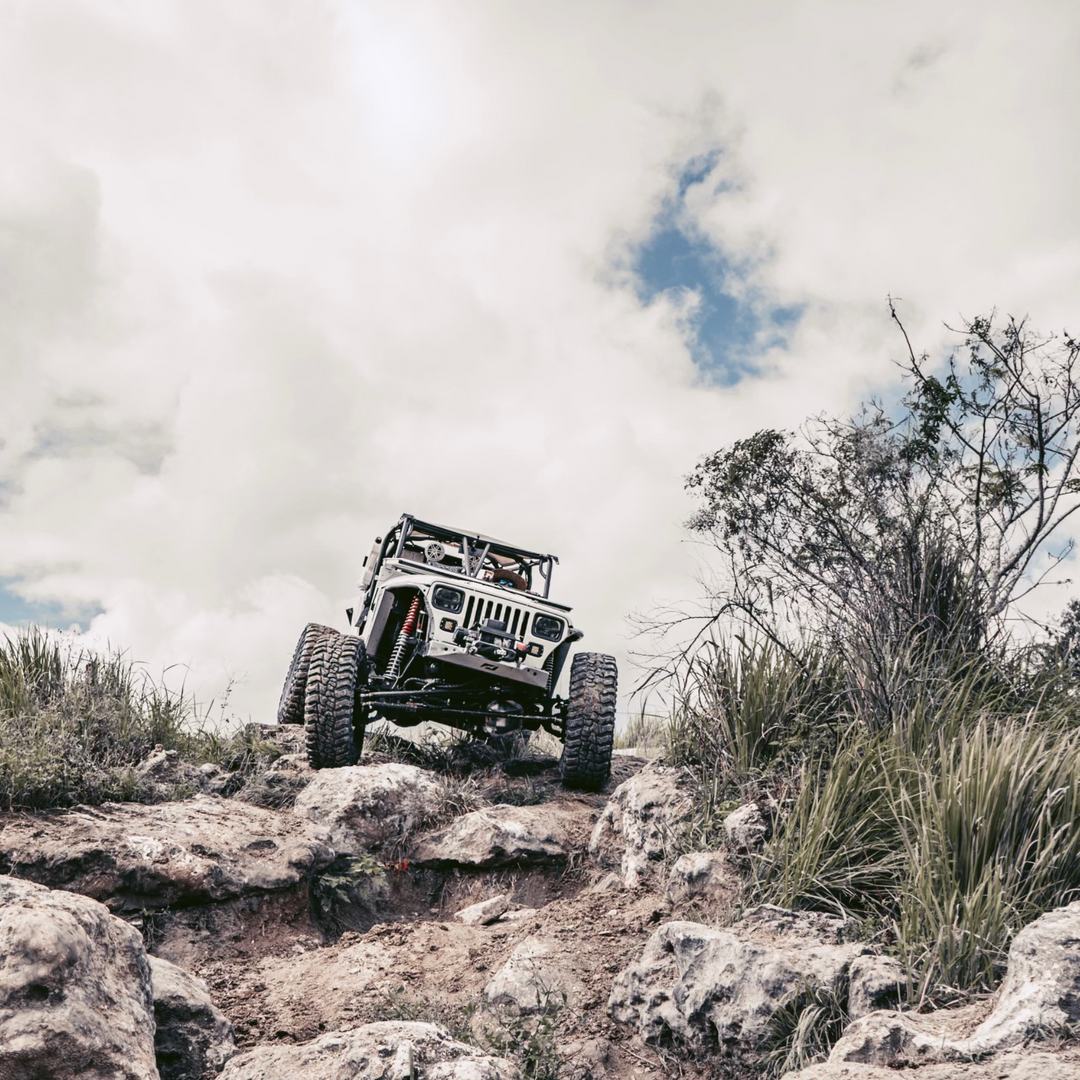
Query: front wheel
291, 706
329, 702
590, 722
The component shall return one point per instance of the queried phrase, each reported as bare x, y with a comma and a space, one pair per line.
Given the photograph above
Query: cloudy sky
274, 271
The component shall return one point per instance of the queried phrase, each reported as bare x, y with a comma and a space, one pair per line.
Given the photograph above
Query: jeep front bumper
519, 673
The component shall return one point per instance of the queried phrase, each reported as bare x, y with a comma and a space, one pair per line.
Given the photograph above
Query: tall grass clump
991, 832
745, 712
953, 827
74, 723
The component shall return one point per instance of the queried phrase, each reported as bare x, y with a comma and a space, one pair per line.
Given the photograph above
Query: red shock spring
407, 627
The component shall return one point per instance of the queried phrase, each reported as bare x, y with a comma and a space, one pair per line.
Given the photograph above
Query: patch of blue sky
16, 610
732, 325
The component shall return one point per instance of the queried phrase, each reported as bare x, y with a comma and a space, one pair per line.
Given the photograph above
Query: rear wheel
291, 707
329, 702
590, 722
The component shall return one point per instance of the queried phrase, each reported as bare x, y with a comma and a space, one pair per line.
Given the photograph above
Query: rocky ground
387, 921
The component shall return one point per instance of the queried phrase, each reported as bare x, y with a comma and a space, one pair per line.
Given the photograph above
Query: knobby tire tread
291, 706
590, 722
329, 702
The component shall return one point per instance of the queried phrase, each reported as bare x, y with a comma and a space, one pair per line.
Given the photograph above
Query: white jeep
456, 628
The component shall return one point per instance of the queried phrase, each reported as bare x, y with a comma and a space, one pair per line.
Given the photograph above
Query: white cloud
274, 273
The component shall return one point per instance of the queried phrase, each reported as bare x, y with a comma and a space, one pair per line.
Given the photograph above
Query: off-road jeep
456, 628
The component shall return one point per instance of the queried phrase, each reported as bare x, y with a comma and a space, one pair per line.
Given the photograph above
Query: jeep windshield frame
473, 550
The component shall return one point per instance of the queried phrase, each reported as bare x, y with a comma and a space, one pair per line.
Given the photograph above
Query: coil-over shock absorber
393, 667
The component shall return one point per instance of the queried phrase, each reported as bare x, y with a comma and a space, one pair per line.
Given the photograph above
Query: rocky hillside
387, 922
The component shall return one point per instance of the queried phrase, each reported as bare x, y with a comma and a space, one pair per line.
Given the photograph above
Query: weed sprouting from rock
347, 895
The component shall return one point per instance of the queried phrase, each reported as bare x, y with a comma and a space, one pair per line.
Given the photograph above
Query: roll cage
456, 552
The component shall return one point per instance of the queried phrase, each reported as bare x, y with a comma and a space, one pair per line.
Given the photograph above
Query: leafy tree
905, 536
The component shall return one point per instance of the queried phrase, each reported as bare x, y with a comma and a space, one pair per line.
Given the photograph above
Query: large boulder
368, 807
641, 821
389, 1050
193, 1034
75, 994
505, 836
706, 985
1040, 993
134, 857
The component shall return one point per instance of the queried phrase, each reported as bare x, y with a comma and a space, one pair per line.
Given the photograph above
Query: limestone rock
75, 999
538, 977
1041, 992
403, 1067
875, 982
368, 1053
278, 785
504, 836
192, 1034
487, 911
287, 738
704, 984
704, 875
1042, 985
884, 1037
518, 915
1015, 1065
584, 1059
641, 820
746, 828
164, 775
366, 807
214, 780
133, 857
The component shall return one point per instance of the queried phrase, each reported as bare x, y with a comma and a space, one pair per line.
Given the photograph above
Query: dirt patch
431, 969
234, 932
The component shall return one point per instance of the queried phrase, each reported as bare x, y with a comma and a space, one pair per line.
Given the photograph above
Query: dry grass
74, 724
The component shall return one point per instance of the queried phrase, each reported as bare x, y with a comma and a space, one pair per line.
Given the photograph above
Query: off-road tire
290, 708
590, 722
329, 702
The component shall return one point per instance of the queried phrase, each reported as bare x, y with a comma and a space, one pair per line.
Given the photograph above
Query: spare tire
290, 708
590, 722
329, 702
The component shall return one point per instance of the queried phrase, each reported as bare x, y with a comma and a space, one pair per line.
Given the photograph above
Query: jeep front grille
479, 609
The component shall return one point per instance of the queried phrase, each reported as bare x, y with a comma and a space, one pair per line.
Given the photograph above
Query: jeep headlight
547, 627
447, 598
